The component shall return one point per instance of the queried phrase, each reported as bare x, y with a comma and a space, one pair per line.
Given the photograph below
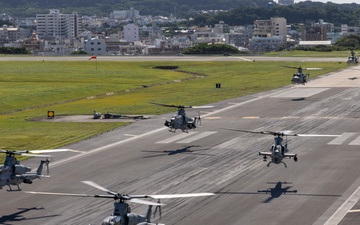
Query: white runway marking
341, 139
175, 138
197, 137
356, 141
245, 59
299, 92
344, 208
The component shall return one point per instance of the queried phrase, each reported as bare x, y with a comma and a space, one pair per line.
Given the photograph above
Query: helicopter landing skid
281, 162
10, 189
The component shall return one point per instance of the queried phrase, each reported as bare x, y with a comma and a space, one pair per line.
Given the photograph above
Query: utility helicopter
13, 173
278, 151
300, 77
180, 120
122, 214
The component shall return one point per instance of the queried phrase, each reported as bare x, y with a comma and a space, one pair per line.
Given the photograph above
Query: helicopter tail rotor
41, 166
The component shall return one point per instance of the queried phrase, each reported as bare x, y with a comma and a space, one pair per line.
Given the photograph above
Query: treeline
239, 12
204, 48
303, 12
105, 7
14, 51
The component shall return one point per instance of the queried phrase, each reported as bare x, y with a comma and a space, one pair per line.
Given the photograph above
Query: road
145, 158
175, 58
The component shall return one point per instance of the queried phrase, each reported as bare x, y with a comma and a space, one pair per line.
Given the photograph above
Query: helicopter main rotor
300, 68
182, 106
283, 133
124, 197
33, 153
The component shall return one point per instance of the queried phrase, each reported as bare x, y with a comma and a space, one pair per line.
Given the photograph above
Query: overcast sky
334, 1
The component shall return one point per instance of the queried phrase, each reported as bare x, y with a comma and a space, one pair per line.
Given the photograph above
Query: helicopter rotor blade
248, 131
181, 195
202, 107
292, 67
32, 155
59, 194
95, 185
312, 68
144, 202
69, 194
317, 135
174, 106
52, 150
284, 133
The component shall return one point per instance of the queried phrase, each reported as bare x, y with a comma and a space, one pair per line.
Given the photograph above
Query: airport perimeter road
145, 158
175, 58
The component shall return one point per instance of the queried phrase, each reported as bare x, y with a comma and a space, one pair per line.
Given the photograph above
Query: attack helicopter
278, 151
352, 59
13, 173
122, 214
180, 120
300, 77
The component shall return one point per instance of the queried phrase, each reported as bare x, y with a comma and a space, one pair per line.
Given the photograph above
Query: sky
334, 1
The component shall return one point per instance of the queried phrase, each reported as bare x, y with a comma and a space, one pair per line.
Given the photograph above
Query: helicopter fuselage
299, 78
181, 122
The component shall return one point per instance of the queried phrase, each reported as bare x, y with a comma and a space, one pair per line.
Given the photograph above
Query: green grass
300, 53
30, 89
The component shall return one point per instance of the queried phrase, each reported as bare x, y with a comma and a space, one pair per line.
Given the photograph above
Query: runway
145, 158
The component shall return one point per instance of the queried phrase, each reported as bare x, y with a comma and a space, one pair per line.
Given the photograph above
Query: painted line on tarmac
344, 208
107, 147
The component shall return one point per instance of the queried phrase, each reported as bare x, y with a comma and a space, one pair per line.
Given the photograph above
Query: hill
104, 7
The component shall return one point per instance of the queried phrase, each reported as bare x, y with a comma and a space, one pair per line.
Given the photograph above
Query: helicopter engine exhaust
27, 181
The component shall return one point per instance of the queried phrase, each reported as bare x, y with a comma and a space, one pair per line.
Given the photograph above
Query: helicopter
122, 214
13, 173
352, 59
300, 77
278, 151
180, 120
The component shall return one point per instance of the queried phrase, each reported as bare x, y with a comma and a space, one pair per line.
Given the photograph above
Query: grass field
300, 53
30, 89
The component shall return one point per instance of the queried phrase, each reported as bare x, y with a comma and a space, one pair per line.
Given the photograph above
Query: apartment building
56, 25
131, 32
269, 34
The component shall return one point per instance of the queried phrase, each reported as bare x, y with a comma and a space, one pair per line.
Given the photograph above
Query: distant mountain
104, 7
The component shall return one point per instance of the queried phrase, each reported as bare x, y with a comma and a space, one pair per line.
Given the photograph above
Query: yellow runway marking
250, 117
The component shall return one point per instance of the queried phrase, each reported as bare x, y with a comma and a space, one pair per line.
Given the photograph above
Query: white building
9, 34
269, 34
270, 28
57, 25
125, 14
131, 32
95, 46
